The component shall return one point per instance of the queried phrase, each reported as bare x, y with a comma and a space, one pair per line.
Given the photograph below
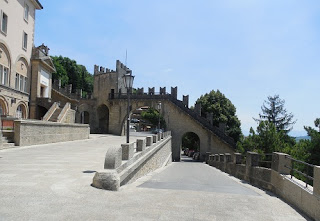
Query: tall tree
274, 112
69, 72
317, 123
223, 111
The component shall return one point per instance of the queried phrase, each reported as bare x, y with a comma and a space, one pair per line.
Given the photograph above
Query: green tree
317, 123
266, 140
273, 111
69, 72
223, 111
152, 115
191, 140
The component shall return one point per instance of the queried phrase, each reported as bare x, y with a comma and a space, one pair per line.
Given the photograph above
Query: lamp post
159, 109
128, 82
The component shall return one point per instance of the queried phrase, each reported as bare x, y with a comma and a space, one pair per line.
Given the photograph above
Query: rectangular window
25, 40
21, 83
1, 74
26, 12
25, 84
17, 82
4, 23
5, 75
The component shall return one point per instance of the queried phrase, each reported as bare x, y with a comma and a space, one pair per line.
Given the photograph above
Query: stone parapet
32, 132
277, 179
146, 159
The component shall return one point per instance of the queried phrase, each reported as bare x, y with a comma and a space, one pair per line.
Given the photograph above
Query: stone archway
84, 117
103, 119
191, 142
3, 107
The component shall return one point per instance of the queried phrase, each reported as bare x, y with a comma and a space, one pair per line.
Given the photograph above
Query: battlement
102, 70
67, 91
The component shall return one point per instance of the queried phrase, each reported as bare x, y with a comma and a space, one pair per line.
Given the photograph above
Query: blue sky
247, 49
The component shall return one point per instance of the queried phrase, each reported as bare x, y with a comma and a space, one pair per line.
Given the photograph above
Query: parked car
190, 153
155, 131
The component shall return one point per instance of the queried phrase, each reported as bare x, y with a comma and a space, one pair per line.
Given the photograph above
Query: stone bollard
280, 162
154, 138
113, 158
127, 151
141, 144
159, 136
237, 158
149, 141
316, 180
162, 135
207, 156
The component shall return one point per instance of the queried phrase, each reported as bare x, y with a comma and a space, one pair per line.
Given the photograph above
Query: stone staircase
54, 116
6, 142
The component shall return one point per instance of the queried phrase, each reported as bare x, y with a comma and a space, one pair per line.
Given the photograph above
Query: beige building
17, 25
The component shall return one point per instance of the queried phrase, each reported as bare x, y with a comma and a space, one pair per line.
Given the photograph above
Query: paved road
52, 182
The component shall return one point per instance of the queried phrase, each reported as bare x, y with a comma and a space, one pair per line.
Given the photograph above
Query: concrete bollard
154, 138
159, 136
316, 181
162, 135
127, 151
113, 158
141, 144
207, 156
149, 141
280, 162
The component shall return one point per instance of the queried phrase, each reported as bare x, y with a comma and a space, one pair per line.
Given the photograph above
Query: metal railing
203, 121
304, 170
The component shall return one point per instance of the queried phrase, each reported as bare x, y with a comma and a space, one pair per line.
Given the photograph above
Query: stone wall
27, 132
131, 161
276, 179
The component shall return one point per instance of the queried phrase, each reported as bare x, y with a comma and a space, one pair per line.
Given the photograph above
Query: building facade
17, 25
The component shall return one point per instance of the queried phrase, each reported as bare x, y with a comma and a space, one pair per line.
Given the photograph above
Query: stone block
155, 138
127, 151
113, 158
281, 162
217, 157
149, 141
141, 144
108, 180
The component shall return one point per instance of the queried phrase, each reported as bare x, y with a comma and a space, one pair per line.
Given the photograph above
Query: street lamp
159, 109
128, 82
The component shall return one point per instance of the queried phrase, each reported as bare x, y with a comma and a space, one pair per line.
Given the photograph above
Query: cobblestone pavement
52, 182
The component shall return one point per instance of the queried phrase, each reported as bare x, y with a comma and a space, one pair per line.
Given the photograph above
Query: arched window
21, 111
21, 78
3, 110
4, 65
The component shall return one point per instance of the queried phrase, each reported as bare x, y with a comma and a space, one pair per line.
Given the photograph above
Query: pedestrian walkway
52, 182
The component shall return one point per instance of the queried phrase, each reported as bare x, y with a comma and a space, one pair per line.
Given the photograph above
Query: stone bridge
106, 110
111, 118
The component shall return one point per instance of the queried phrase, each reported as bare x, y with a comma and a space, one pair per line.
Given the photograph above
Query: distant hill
303, 138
